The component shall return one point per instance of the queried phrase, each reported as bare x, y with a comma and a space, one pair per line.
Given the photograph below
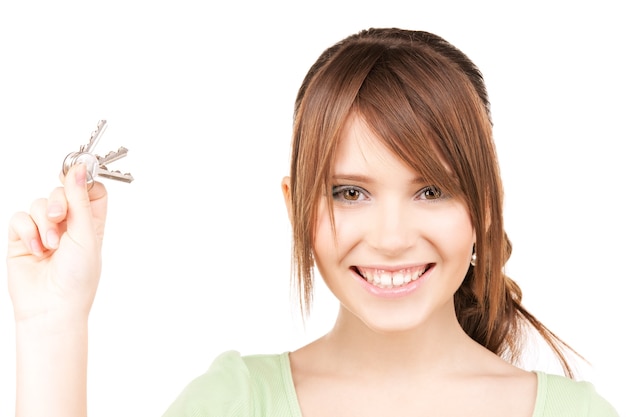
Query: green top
261, 385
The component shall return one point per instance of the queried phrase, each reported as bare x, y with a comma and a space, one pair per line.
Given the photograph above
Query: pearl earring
473, 259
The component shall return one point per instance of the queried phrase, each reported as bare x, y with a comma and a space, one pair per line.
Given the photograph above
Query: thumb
79, 215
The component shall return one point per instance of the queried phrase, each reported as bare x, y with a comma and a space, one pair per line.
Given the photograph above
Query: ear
285, 185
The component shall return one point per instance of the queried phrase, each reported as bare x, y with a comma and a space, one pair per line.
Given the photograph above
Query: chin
396, 322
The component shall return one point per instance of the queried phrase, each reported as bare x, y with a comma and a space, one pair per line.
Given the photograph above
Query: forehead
361, 152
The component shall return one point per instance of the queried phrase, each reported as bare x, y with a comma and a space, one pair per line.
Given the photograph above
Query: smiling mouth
391, 279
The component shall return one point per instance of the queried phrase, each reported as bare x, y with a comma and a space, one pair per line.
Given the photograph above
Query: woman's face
402, 246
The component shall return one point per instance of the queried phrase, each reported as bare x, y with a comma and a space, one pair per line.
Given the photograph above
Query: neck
434, 346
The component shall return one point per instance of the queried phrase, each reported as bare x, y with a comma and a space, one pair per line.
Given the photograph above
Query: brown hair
427, 103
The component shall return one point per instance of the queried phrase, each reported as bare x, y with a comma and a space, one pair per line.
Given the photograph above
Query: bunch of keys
97, 165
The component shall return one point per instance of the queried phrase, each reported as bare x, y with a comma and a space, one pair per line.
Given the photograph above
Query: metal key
97, 165
95, 137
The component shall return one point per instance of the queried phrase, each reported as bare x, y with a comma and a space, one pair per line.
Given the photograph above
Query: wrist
52, 324
51, 365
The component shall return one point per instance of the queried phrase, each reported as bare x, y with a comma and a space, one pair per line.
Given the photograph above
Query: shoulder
236, 385
560, 396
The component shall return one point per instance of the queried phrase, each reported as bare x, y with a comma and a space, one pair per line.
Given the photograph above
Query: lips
384, 278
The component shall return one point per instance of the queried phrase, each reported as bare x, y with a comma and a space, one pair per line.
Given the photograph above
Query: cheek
323, 239
332, 245
453, 234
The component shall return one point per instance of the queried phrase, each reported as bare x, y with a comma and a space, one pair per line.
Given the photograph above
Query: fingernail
36, 248
52, 239
80, 175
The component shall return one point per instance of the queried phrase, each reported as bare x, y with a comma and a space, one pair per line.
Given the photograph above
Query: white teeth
398, 279
387, 279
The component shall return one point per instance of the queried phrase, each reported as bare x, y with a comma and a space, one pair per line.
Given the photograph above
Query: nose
392, 230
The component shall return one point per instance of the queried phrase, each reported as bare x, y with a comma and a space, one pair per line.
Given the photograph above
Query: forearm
52, 367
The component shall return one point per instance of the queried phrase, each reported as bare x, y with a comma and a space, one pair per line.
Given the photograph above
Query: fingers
73, 208
22, 229
40, 230
50, 217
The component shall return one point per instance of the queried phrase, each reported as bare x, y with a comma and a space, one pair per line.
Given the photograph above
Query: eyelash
339, 190
436, 190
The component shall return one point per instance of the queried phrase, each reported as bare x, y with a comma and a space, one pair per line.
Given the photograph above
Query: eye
430, 193
348, 194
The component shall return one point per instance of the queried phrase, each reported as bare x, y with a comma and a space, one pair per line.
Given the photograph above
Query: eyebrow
367, 180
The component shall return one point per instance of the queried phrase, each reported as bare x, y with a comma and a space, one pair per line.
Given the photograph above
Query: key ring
97, 165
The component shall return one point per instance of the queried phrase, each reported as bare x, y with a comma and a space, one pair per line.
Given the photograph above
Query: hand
54, 253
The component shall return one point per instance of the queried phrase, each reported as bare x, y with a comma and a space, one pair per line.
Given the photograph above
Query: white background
197, 248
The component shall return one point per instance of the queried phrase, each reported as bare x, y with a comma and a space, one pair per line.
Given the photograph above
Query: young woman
395, 198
